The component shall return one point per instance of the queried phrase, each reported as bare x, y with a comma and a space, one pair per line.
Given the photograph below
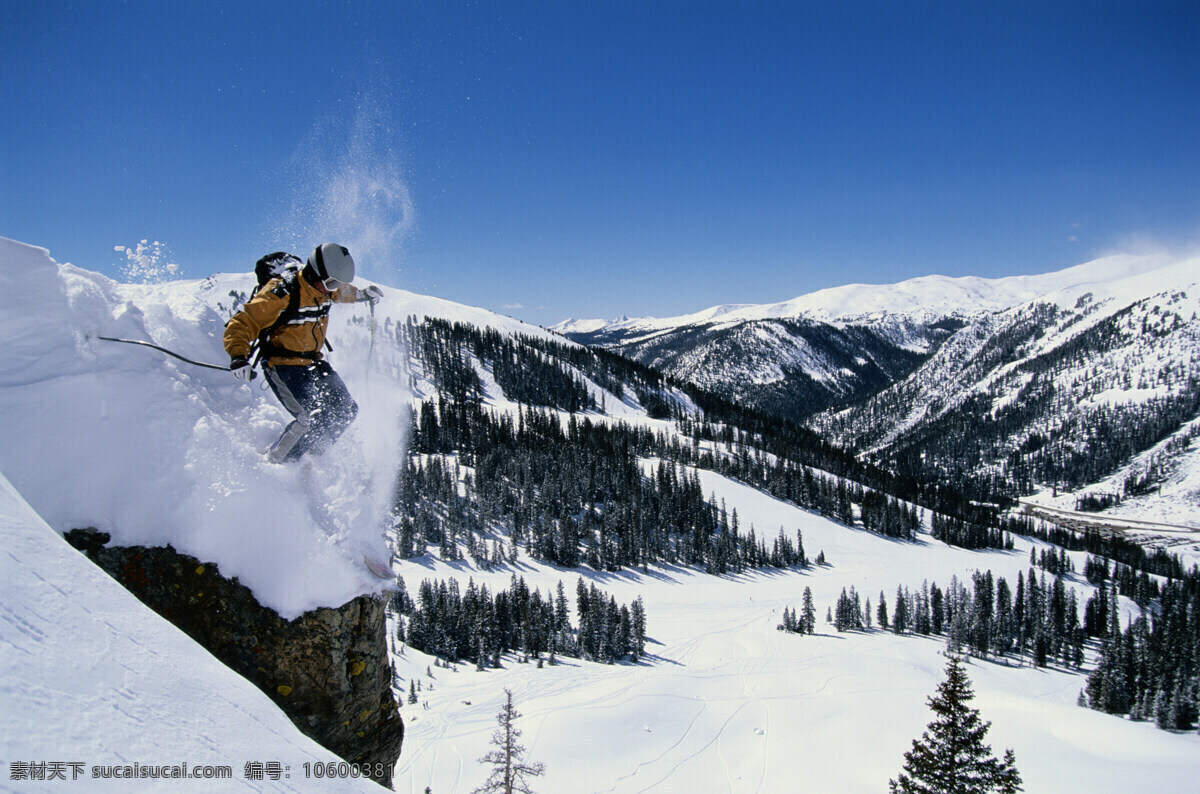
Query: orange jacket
303, 334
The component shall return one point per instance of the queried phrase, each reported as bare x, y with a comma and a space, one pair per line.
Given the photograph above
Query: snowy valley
525, 460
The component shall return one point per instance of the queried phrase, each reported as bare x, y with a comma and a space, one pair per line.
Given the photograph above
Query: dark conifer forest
479, 626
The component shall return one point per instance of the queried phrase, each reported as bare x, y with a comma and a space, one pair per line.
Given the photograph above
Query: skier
290, 314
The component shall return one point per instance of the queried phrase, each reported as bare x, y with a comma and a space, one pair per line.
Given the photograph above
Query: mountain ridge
921, 298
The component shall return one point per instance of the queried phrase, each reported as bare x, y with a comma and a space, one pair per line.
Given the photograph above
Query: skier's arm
257, 313
348, 293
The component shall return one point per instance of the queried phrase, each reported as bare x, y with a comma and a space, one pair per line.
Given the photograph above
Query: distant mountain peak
588, 326
924, 299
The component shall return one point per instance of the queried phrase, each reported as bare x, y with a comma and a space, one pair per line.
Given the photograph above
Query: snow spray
347, 187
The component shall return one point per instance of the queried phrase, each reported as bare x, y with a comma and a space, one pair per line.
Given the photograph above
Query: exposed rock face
328, 669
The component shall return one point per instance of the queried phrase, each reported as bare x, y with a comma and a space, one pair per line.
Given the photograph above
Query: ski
379, 569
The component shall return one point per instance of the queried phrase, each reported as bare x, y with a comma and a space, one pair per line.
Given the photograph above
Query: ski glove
371, 293
240, 367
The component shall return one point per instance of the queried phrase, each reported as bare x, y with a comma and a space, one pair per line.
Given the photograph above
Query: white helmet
332, 263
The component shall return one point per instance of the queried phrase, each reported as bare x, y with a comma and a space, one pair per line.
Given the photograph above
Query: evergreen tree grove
951, 756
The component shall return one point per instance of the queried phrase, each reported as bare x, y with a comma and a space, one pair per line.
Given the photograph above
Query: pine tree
808, 613
951, 757
900, 613
1163, 704
638, 615
508, 770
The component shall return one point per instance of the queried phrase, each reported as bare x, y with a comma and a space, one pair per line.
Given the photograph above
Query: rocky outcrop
328, 669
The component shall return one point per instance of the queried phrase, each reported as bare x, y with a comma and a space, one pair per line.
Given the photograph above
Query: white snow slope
91, 678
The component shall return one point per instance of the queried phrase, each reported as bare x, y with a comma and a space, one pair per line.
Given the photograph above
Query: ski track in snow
724, 702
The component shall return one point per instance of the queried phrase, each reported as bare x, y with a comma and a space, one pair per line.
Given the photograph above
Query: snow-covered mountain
790, 366
1092, 389
898, 370
838, 345
156, 451
924, 299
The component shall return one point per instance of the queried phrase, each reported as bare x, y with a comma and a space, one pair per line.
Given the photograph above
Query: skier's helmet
332, 265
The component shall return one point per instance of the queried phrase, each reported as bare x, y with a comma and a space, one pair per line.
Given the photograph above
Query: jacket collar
310, 293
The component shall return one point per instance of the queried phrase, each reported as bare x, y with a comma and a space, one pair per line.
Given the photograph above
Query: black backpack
280, 263
285, 266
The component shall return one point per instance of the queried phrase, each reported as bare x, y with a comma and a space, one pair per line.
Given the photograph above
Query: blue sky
578, 159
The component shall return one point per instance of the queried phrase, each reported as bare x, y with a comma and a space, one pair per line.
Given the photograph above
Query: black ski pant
320, 403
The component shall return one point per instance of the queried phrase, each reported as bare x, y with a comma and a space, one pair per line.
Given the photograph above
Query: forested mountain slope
1097, 393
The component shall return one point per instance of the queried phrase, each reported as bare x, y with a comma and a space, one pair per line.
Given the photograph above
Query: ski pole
371, 346
164, 350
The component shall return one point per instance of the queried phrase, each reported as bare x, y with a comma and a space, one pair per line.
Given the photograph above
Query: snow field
726, 703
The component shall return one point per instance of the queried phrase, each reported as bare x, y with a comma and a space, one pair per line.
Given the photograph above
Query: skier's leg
291, 386
335, 408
